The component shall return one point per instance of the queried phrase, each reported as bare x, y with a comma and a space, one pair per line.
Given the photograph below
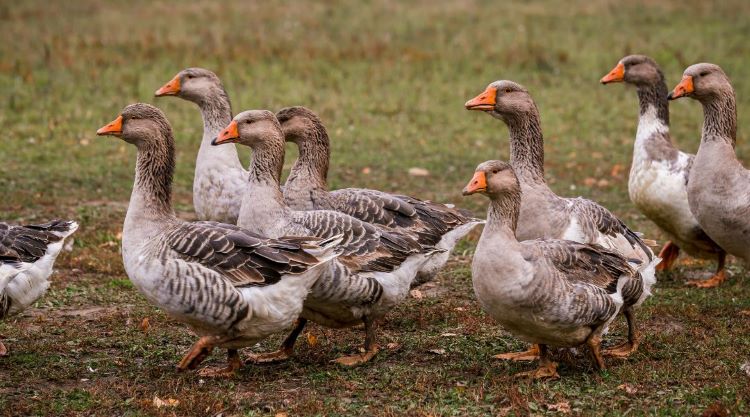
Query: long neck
314, 154
502, 214
654, 95
216, 111
151, 199
527, 146
720, 119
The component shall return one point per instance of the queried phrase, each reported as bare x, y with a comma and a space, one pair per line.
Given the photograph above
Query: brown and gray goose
431, 224
659, 174
377, 265
545, 291
231, 286
545, 215
719, 186
219, 176
27, 255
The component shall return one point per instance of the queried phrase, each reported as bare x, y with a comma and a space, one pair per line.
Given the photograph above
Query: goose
219, 176
546, 215
545, 291
377, 265
306, 188
659, 174
718, 186
27, 255
231, 286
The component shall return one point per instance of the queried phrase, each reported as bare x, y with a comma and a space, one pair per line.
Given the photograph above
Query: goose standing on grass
377, 265
27, 255
719, 186
658, 177
219, 177
545, 215
431, 224
231, 286
545, 291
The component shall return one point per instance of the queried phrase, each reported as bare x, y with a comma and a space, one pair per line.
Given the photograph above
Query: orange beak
113, 128
484, 101
477, 184
169, 89
615, 76
684, 88
230, 134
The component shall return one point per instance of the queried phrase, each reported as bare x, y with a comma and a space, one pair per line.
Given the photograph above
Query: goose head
298, 123
504, 100
493, 179
636, 70
250, 128
139, 124
192, 84
702, 82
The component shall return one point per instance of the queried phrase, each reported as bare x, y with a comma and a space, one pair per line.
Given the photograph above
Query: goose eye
508, 90
189, 76
704, 73
495, 171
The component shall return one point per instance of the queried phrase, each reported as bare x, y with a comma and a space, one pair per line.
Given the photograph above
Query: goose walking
545, 215
219, 176
719, 186
232, 287
658, 179
377, 265
306, 188
545, 291
27, 255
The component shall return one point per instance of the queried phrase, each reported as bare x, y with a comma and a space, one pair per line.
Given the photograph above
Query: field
389, 79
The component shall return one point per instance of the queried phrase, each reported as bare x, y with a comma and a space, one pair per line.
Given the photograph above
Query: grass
389, 80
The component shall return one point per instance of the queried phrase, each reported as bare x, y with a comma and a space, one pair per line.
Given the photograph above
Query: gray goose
219, 176
659, 174
545, 215
375, 269
27, 255
230, 286
545, 291
719, 186
306, 188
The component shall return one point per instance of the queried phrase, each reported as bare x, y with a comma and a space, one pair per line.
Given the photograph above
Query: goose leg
529, 355
234, 363
371, 349
547, 368
594, 343
668, 255
719, 277
197, 354
3, 350
625, 349
285, 351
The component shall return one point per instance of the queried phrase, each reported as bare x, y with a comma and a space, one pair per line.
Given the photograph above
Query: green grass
389, 79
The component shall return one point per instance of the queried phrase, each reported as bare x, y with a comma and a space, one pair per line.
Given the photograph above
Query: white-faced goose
231, 286
545, 215
376, 267
659, 174
27, 255
545, 291
719, 186
306, 188
219, 176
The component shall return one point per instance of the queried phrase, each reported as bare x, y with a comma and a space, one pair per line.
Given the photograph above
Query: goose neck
720, 119
314, 155
526, 146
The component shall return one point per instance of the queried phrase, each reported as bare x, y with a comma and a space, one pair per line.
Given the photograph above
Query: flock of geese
267, 257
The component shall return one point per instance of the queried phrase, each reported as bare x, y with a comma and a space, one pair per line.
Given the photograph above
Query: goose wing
29, 243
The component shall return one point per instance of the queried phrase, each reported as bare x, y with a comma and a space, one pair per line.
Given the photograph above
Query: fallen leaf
602, 183
145, 325
393, 346
629, 389
281, 414
312, 340
416, 294
459, 309
437, 351
616, 170
588, 181
716, 409
449, 334
561, 407
419, 172
745, 367
366, 170
745, 312
169, 402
